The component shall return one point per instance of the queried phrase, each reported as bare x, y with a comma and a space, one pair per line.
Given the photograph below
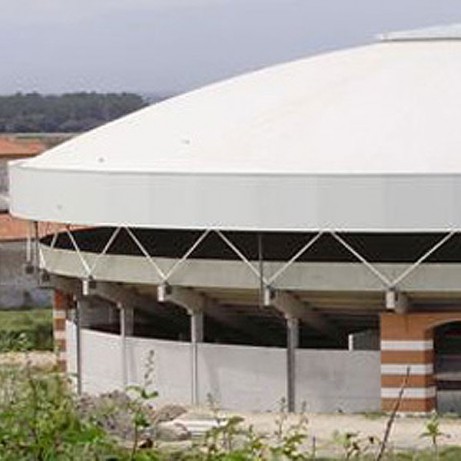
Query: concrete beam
304, 276
192, 301
130, 298
292, 307
116, 294
240, 324
184, 297
68, 285
397, 301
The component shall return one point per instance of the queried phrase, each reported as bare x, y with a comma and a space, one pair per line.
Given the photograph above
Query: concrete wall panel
337, 380
236, 377
242, 377
171, 367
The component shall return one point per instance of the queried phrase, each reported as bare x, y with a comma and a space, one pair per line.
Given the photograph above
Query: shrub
39, 421
35, 325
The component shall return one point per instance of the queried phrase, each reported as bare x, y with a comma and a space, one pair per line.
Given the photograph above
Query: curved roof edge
375, 203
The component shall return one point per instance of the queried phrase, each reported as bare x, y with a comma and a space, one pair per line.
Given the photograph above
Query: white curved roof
371, 124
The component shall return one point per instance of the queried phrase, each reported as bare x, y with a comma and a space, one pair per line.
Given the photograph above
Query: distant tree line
66, 113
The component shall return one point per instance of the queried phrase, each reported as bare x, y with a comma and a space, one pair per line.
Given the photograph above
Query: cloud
52, 11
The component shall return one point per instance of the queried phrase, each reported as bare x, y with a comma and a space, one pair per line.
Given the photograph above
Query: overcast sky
170, 46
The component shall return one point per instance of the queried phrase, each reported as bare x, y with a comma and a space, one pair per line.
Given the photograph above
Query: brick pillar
407, 341
62, 302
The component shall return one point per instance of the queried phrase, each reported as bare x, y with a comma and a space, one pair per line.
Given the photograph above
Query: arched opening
447, 367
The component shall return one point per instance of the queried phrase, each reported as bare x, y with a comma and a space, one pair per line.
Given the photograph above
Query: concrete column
196, 336
129, 320
86, 313
80, 314
126, 329
194, 303
292, 325
294, 309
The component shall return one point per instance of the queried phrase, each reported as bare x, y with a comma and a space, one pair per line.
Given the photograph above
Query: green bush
34, 325
41, 419
38, 420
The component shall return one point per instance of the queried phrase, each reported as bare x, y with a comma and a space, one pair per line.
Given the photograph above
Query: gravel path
39, 359
406, 431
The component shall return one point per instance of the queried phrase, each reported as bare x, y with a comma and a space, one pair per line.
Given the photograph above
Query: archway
407, 342
447, 367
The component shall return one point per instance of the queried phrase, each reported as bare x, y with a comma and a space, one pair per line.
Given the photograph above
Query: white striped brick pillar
62, 302
407, 342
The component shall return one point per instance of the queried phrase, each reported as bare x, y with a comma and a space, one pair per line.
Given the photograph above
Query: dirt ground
405, 434
406, 430
40, 359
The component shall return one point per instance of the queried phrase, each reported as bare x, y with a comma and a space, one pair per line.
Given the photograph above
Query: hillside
66, 113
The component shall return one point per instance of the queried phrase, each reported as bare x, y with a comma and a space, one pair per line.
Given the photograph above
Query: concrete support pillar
196, 336
292, 306
194, 303
80, 316
86, 313
62, 302
129, 312
292, 325
293, 309
126, 329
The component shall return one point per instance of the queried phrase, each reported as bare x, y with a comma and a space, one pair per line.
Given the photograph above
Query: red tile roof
17, 229
17, 148
12, 228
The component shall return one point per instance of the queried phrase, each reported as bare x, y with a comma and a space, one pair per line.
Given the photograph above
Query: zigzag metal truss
36, 256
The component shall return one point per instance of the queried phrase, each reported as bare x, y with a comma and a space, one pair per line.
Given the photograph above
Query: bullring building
293, 232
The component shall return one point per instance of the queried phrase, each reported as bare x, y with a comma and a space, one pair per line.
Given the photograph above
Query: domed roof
387, 110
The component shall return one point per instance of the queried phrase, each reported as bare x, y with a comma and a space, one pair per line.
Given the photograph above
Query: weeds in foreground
391, 419
40, 420
230, 440
33, 324
140, 396
434, 433
355, 446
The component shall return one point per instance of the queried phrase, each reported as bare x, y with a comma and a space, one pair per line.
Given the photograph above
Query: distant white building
16, 288
13, 149
264, 235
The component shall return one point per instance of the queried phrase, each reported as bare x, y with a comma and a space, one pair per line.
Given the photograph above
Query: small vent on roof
448, 32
